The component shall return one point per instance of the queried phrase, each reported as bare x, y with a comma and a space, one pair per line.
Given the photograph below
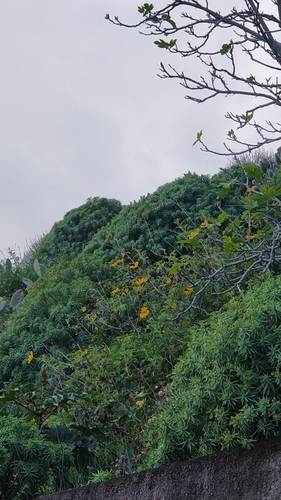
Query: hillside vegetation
134, 336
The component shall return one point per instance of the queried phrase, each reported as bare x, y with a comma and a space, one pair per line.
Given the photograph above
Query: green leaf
225, 187
145, 9
165, 45
3, 304
253, 171
225, 48
175, 269
166, 17
222, 217
231, 134
198, 137
247, 117
28, 282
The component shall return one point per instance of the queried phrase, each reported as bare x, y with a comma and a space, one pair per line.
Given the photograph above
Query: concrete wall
230, 475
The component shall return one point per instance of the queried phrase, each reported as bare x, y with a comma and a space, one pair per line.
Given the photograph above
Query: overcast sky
84, 114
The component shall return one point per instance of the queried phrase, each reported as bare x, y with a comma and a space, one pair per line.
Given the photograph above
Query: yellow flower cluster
116, 290
168, 281
93, 318
117, 262
251, 236
134, 266
189, 290
30, 357
124, 292
194, 233
144, 312
85, 352
250, 189
141, 281
139, 403
83, 309
150, 420
204, 224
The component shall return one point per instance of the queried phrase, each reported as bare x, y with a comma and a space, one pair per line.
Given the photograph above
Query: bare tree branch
218, 39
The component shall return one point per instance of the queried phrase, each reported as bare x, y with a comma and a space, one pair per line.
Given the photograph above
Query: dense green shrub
30, 465
151, 222
226, 389
68, 237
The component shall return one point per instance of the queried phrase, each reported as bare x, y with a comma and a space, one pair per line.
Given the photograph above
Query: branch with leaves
225, 42
240, 248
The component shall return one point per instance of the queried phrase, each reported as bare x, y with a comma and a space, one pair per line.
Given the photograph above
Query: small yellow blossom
124, 292
251, 236
83, 309
144, 312
194, 233
30, 357
117, 262
15, 476
168, 281
250, 189
150, 420
189, 290
141, 281
134, 266
116, 290
204, 224
185, 264
85, 352
93, 318
139, 403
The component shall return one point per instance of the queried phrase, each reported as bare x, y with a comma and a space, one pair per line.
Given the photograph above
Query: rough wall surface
230, 475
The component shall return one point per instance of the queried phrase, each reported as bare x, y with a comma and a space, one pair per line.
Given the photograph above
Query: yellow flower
134, 266
141, 281
144, 312
204, 224
251, 236
117, 262
189, 290
194, 233
185, 264
93, 318
139, 403
116, 290
250, 189
124, 292
83, 309
85, 352
168, 281
150, 420
15, 476
30, 357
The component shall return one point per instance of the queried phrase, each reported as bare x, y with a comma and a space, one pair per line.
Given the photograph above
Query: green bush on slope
29, 464
108, 326
150, 222
226, 388
68, 237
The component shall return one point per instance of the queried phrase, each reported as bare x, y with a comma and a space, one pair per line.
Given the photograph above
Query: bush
226, 389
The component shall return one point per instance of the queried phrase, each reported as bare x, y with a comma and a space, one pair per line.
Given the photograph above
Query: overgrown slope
140, 344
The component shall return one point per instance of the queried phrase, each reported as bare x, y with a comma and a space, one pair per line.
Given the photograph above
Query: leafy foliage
30, 464
226, 388
158, 341
68, 237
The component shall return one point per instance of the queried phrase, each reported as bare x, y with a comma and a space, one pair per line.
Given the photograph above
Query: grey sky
83, 114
